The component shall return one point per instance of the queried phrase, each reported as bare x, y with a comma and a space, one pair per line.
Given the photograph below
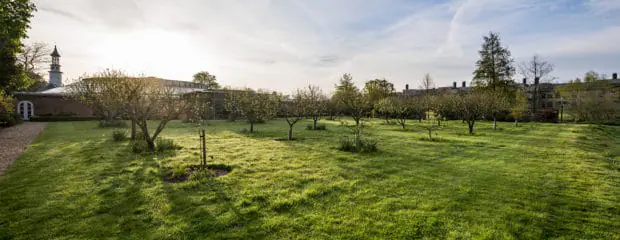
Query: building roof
180, 87
55, 52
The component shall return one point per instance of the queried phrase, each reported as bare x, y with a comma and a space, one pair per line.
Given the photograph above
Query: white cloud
283, 45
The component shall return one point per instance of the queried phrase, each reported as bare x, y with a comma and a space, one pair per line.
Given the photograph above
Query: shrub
347, 145
366, 145
163, 145
139, 147
119, 135
318, 127
116, 123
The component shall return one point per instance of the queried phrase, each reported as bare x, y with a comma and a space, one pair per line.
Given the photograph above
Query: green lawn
536, 181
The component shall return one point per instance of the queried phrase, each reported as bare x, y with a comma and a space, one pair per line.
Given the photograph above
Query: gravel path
14, 140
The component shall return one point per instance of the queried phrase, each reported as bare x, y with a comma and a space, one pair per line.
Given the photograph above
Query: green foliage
378, 89
206, 79
591, 100
164, 145
494, 69
8, 116
179, 171
15, 20
116, 123
139, 146
119, 135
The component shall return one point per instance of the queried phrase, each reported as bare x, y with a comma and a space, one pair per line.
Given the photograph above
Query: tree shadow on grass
204, 205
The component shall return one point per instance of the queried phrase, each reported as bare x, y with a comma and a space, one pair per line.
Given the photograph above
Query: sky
288, 44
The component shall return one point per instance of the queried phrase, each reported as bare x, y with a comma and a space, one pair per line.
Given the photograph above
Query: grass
536, 181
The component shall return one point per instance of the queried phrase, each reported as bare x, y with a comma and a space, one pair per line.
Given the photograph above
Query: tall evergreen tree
15, 20
494, 69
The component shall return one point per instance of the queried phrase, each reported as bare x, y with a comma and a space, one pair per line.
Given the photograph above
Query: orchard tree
293, 110
102, 92
314, 101
444, 107
354, 103
496, 102
254, 105
148, 99
520, 107
494, 69
15, 18
206, 79
471, 107
400, 107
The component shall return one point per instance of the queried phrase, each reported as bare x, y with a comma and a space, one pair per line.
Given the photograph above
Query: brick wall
55, 106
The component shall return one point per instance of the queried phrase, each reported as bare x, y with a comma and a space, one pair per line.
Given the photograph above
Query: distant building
53, 101
542, 98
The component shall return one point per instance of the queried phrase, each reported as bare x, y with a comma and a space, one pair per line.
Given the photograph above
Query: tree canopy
207, 79
494, 69
15, 20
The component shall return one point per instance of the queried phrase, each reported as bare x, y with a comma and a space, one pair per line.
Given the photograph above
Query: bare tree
33, 56
253, 105
314, 101
31, 60
427, 82
537, 68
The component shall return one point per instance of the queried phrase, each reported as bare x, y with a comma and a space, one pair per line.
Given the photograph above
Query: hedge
61, 118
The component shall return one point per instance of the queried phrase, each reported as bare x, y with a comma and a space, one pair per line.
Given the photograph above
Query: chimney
464, 84
524, 81
454, 85
406, 87
536, 80
614, 76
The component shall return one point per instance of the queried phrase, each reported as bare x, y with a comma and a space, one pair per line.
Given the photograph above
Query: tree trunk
430, 133
151, 144
516, 123
133, 129
470, 124
494, 123
290, 132
252, 127
438, 122
420, 119
314, 124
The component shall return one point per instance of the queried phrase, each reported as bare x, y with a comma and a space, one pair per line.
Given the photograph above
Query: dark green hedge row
61, 118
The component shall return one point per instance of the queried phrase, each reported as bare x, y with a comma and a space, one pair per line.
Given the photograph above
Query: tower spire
55, 75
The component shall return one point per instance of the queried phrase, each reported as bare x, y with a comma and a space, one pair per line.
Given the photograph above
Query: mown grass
535, 181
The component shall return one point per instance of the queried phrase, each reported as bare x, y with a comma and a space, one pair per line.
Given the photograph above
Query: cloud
62, 13
285, 45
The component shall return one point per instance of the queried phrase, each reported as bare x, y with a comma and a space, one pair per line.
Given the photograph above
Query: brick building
53, 100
